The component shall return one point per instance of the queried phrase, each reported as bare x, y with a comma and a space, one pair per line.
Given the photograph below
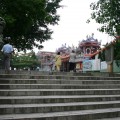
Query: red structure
86, 48
89, 46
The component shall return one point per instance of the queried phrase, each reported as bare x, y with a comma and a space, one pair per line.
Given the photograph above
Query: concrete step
58, 96
56, 107
59, 86
118, 118
68, 115
67, 77
35, 72
40, 92
56, 81
56, 99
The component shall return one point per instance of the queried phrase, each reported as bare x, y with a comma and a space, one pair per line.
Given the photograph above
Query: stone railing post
109, 55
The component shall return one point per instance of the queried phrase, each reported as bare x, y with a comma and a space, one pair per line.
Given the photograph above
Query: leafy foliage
28, 60
117, 50
107, 13
27, 21
102, 55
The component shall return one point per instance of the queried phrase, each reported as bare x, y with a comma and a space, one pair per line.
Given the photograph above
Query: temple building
89, 46
85, 50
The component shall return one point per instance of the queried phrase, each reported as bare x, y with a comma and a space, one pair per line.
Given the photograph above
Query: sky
72, 26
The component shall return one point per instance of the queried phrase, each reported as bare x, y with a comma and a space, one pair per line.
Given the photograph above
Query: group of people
72, 64
7, 51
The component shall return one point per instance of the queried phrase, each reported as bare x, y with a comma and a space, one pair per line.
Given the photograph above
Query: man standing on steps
7, 52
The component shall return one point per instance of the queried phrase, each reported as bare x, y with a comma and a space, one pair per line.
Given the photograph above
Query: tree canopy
107, 13
27, 21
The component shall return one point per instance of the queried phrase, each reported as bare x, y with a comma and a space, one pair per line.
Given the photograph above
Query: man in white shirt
7, 52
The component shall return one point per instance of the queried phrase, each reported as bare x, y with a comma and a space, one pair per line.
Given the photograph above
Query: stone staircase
59, 96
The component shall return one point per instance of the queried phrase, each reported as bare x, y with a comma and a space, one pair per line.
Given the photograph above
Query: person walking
58, 61
72, 64
7, 51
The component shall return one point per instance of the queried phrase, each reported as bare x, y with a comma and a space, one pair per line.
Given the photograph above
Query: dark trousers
7, 57
72, 66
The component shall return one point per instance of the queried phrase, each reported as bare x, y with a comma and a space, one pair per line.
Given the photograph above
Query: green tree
28, 21
101, 55
117, 49
107, 13
27, 60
